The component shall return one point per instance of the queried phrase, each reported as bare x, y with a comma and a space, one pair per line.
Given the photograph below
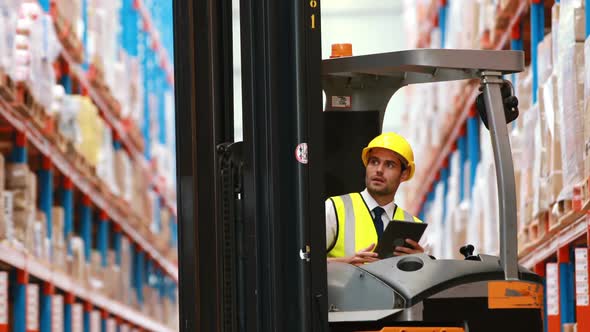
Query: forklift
251, 213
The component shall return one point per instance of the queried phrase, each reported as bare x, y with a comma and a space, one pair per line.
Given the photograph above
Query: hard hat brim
365, 158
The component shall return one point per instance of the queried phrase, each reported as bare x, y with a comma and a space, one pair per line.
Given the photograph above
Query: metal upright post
86, 59
157, 220
281, 61
67, 202
442, 21
541, 269
204, 119
504, 173
161, 285
174, 233
46, 193
19, 307
45, 310
537, 34
118, 237
444, 177
87, 315
473, 151
104, 319
567, 291
86, 229
140, 275
132, 270
64, 76
103, 237
69, 300
45, 4
462, 147
19, 152
516, 42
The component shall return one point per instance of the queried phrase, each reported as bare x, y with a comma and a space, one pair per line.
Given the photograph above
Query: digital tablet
395, 235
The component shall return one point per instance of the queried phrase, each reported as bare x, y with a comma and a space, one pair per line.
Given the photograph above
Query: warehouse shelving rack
464, 107
559, 251
111, 212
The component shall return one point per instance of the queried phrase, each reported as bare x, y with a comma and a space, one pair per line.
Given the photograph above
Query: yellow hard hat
395, 143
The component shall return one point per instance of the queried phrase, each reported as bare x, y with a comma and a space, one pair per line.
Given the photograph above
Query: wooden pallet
524, 242
41, 119
137, 138
563, 216
538, 229
560, 210
172, 255
80, 162
506, 14
96, 79
7, 87
160, 242
69, 40
59, 140
582, 193
23, 100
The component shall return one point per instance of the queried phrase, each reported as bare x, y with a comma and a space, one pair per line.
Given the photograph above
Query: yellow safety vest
356, 230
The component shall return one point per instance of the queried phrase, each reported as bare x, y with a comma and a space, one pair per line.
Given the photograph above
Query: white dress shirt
332, 221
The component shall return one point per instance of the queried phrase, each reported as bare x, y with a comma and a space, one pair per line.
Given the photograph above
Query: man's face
384, 172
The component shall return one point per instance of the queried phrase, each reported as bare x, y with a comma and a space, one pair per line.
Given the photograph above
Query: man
388, 161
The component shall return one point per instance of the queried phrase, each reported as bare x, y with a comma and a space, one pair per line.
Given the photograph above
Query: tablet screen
395, 235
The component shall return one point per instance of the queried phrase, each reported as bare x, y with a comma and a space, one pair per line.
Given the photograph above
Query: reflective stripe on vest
356, 230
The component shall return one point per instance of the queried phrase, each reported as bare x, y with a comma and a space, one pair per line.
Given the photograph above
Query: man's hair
403, 161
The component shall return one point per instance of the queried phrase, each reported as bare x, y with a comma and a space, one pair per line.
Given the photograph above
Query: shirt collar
371, 204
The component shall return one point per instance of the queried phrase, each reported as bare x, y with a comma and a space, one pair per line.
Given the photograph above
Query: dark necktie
378, 211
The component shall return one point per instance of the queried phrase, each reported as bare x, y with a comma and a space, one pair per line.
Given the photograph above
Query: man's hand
416, 248
361, 257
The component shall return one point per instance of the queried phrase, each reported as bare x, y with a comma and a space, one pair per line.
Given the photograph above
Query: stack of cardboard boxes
21, 183
550, 140
59, 252
551, 136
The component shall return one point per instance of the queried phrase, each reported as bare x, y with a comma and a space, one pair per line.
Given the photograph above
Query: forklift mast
251, 214
251, 253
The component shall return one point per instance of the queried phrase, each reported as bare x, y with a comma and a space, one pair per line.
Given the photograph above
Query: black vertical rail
204, 118
228, 173
249, 288
282, 203
308, 103
308, 35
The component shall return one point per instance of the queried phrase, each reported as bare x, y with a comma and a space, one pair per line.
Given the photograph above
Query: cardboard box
4, 297
586, 111
78, 261
91, 130
111, 325
580, 24
32, 312
57, 220
96, 275
95, 321
40, 234
551, 111
16, 175
555, 29
571, 86
545, 58
57, 313
7, 224
23, 227
77, 317
59, 258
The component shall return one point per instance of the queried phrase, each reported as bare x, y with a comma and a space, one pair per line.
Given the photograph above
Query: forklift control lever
467, 251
